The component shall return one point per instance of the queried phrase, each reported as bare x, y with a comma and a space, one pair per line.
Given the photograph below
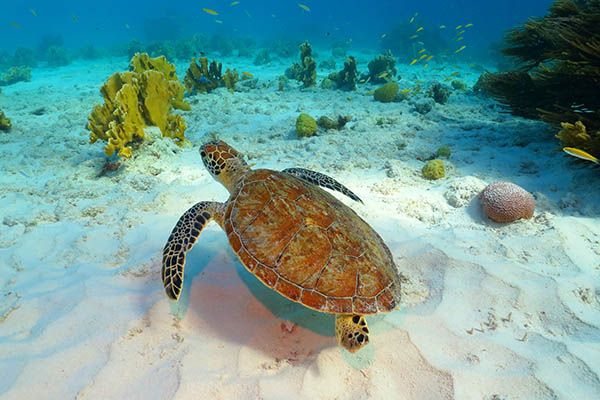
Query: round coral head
507, 202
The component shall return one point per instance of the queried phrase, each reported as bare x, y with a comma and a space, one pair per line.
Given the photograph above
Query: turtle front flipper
319, 179
181, 240
351, 332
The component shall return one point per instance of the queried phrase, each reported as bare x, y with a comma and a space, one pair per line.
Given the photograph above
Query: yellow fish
234, 3
361, 80
580, 154
382, 36
414, 37
411, 20
459, 39
74, 18
420, 29
303, 6
412, 62
468, 25
460, 49
15, 25
248, 74
425, 66
460, 33
458, 27
248, 14
370, 92
447, 79
454, 73
33, 12
127, 26
428, 58
442, 26
218, 21
419, 82
421, 51
212, 12
348, 59
404, 91
422, 57
382, 75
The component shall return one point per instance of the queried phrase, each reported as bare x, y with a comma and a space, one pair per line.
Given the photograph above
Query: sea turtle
295, 238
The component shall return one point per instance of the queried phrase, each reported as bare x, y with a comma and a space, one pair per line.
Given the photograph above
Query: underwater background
470, 130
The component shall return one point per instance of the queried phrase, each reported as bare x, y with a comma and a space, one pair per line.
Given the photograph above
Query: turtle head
224, 163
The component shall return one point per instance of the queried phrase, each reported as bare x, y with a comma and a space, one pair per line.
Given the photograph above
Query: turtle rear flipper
351, 332
319, 179
182, 239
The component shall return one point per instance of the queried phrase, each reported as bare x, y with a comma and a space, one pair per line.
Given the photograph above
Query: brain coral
507, 202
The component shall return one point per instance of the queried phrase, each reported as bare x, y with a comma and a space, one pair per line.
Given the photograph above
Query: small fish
420, 29
412, 62
349, 41
127, 26
361, 80
421, 51
414, 37
404, 91
460, 33
248, 14
411, 20
209, 11
428, 58
370, 92
447, 79
425, 66
15, 25
461, 48
203, 79
384, 35
442, 26
248, 74
74, 18
455, 73
348, 59
234, 3
419, 82
382, 75
580, 154
33, 12
422, 56
458, 27
218, 21
459, 39
468, 25
303, 6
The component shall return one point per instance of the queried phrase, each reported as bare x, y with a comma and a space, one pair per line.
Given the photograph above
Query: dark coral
346, 79
306, 70
380, 64
559, 78
439, 93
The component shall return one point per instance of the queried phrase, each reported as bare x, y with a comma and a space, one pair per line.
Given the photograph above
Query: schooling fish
74, 18
234, 3
461, 48
370, 92
33, 12
468, 25
420, 29
212, 12
580, 154
382, 36
412, 62
303, 6
422, 56
421, 51
248, 74
404, 91
203, 79
428, 58
459, 39
382, 75
425, 66
218, 21
458, 27
411, 20
15, 25
414, 37
442, 26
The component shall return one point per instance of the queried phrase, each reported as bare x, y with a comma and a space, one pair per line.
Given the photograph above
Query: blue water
108, 23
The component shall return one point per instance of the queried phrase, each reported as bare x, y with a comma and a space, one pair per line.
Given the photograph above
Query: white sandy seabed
490, 311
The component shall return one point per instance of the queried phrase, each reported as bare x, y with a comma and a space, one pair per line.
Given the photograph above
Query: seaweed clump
558, 80
306, 70
14, 75
439, 93
5, 123
383, 64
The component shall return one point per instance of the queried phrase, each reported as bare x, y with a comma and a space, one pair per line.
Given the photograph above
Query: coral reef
328, 123
346, 78
134, 100
458, 85
306, 70
443, 151
14, 75
434, 169
24, 57
327, 64
230, 78
507, 202
263, 57
5, 123
423, 107
558, 80
380, 64
203, 78
439, 93
306, 126
57, 56
386, 93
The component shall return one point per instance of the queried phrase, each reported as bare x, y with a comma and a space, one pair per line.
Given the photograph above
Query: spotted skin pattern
319, 179
182, 239
352, 332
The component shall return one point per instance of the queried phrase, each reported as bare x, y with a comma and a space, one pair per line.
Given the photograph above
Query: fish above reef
412, 62
382, 75
15, 25
203, 79
234, 3
468, 25
411, 20
421, 51
304, 7
383, 35
461, 48
458, 27
442, 26
74, 18
209, 11
420, 29
580, 154
33, 12
414, 37
248, 74
218, 21
404, 91
428, 58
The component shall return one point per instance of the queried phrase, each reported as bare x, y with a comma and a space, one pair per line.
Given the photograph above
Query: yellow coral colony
136, 99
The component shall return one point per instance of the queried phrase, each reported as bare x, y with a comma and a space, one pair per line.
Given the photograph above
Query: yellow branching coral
576, 135
133, 101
